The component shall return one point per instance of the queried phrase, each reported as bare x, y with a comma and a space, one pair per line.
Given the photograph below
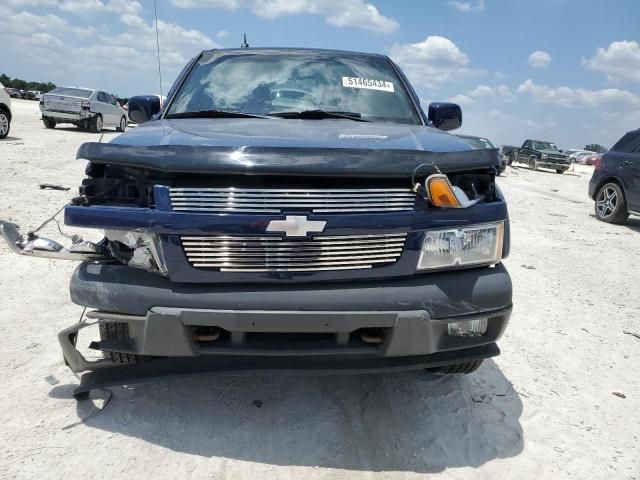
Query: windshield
71, 92
477, 142
544, 146
271, 83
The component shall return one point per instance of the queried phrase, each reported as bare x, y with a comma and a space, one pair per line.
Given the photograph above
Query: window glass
274, 82
72, 92
630, 143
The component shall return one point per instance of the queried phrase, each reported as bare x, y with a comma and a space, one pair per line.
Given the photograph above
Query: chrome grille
270, 200
274, 254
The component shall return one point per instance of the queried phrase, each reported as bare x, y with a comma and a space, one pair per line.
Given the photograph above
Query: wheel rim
122, 124
606, 202
99, 123
4, 124
533, 163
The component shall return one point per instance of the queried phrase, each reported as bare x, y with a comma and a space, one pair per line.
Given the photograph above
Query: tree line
20, 84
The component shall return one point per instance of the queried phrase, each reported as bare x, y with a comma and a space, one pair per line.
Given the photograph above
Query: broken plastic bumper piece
35, 246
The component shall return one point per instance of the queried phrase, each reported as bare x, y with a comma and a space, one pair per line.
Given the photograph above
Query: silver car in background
83, 107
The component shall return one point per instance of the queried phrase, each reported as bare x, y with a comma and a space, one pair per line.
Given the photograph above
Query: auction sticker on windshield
354, 82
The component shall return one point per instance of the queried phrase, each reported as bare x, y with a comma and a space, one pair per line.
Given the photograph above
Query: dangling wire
49, 220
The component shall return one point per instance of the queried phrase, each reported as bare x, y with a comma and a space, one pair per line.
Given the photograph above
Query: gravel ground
545, 408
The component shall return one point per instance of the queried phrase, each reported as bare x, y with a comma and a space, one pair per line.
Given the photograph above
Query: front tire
5, 124
123, 125
533, 163
116, 331
95, 124
611, 204
48, 123
463, 368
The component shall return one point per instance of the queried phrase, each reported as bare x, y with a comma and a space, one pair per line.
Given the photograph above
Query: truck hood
283, 147
277, 132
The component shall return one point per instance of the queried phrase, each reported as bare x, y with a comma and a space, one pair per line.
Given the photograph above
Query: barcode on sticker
368, 83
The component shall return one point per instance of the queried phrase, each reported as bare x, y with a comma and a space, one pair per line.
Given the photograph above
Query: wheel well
609, 180
6, 110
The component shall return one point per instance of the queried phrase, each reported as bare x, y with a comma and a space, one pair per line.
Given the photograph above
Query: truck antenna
244, 43
155, 11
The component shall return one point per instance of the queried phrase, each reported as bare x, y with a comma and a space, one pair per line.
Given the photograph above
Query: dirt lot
543, 409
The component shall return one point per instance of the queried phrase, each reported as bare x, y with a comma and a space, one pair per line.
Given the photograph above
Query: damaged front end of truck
301, 241
188, 267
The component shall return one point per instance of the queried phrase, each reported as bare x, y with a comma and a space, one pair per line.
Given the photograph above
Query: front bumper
553, 164
269, 320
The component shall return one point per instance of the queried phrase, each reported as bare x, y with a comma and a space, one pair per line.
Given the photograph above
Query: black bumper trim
218, 365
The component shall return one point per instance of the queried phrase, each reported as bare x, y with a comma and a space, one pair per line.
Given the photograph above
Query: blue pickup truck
286, 208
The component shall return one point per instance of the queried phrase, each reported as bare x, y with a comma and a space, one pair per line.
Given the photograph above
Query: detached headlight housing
457, 247
137, 249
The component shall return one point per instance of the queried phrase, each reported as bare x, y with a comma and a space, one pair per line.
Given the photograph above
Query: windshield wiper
213, 114
319, 115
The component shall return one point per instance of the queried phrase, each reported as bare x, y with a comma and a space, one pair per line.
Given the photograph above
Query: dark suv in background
615, 184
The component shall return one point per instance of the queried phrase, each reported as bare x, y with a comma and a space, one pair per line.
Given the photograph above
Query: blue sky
563, 70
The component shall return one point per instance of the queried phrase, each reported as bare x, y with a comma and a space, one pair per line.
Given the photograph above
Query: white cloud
431, 63
224, 4
539, 59
92, 6
25, 23
541, 125
578, 97
620, 61
462, 100
483, 91
80, 54
44, 39
222, 34
467, 7
31, 3
501, 91
341, 13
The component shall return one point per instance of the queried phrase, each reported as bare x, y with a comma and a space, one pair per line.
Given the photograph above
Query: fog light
468, 328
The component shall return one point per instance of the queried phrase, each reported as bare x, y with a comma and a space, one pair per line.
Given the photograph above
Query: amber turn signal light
441, 192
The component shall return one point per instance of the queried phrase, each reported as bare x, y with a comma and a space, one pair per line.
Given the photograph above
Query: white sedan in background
83, 107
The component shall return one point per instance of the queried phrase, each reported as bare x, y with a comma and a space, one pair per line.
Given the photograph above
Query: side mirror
445, 116
143, 107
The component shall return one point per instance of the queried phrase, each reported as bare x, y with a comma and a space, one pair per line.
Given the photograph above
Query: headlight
544, 156
137, 249
474, 245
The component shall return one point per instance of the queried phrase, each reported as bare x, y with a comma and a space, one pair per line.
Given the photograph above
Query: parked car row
579, 156
26, 94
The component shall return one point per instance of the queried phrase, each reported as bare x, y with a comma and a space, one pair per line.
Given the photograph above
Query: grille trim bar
277, 200
228, 253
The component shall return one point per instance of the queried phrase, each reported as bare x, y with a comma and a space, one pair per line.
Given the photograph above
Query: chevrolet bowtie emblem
296, 226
